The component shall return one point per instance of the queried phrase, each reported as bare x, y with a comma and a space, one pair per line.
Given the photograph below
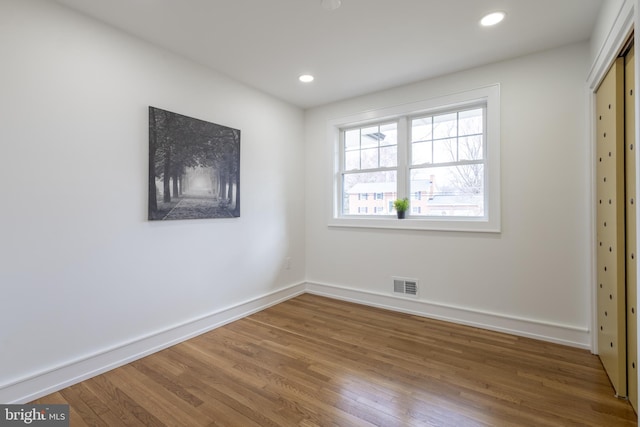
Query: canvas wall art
194, 168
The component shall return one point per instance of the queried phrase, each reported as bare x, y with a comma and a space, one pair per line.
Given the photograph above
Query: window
369, 160
447, 162
443, 154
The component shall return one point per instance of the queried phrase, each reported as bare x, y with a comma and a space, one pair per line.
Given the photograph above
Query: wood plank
314, 361
75, 419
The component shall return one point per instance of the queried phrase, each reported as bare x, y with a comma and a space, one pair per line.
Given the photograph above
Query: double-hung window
442, 154
447, 163
370, 162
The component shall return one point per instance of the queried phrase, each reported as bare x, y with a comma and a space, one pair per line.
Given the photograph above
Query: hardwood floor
313, 361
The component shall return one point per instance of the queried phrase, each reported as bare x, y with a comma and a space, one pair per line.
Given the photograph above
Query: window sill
480, 225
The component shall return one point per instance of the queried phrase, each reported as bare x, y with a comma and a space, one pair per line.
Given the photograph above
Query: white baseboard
57, 378
552, 332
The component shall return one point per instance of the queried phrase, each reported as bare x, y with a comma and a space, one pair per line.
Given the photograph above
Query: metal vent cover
404, 286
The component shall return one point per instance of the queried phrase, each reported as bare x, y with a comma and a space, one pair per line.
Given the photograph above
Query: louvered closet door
631, 253
611, 227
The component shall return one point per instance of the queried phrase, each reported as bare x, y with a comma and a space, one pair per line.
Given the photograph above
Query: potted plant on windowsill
401, 206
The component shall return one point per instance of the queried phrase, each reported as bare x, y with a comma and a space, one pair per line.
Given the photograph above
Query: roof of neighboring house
454, 200
386, 187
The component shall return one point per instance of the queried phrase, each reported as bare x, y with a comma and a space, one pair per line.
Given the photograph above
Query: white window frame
490, 96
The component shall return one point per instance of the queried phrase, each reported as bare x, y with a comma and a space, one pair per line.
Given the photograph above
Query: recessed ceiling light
306, 78
492, 19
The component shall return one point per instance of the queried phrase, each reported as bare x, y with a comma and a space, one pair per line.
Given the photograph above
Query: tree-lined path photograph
194, 168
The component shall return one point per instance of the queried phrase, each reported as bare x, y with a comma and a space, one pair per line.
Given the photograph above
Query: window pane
351, 160
445, 150
449, 191
470, 148
371, 147
352, 139
389, 156
421, 129
421, 153
470, 122
389, 134
445, 126
369, 158
357, 184
370, 137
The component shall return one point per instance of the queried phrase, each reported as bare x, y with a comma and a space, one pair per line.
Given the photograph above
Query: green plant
401, 205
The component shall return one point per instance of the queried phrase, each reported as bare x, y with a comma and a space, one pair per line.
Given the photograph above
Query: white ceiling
362, 47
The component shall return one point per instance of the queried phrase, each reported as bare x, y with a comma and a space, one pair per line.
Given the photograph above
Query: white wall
607, 16
82, 272
81, 269
533, 278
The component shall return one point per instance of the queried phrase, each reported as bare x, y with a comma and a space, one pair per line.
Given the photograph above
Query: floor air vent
407, 287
